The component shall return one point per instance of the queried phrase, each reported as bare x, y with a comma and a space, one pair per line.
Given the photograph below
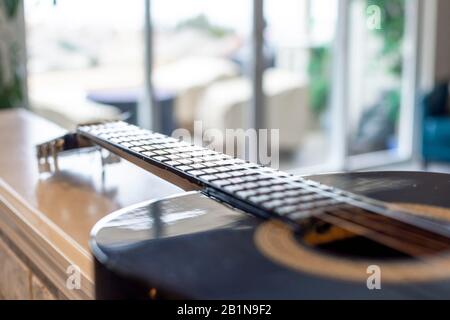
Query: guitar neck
247, 186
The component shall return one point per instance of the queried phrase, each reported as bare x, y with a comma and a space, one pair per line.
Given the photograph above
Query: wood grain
14, 275
49, 217
39, 291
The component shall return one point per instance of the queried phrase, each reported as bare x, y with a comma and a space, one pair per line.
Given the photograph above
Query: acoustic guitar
251, 232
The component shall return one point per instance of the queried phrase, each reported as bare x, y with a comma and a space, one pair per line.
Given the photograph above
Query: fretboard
250, 187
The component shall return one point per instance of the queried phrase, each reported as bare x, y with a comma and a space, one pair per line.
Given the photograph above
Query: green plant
11, 95
11, 92
11, 7
391, 33
201, 22
319, 78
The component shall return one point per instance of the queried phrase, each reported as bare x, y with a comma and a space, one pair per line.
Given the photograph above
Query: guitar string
416, 235
347, 196
422, 257
397, 239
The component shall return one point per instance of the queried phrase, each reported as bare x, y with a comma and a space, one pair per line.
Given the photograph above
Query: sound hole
353, 232
332, 240
361, 247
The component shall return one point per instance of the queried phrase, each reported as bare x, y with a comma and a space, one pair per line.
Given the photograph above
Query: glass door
380, 89
297, 80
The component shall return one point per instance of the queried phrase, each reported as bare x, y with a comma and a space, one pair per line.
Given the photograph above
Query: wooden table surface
48, 217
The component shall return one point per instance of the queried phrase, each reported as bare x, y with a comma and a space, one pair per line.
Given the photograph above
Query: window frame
339, 135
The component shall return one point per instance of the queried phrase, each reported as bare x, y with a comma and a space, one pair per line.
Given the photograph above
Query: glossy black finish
194, 247
162, 222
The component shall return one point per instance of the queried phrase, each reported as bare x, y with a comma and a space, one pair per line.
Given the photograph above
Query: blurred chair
225, 104
436, 125
188, 78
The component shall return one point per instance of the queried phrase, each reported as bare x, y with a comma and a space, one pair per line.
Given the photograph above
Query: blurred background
350, 84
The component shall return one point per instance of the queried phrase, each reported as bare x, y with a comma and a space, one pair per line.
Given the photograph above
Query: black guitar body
194, 247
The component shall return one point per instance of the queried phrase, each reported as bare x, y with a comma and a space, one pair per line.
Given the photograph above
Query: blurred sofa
189, 78
225, 104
